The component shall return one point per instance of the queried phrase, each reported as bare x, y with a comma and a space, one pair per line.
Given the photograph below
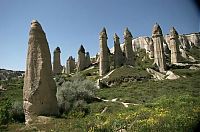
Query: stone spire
174, 46
151, 48
128, 48
70, 65
57, 67
104, 65
159, 58
87, 59
81, 59
39, 92
118, 54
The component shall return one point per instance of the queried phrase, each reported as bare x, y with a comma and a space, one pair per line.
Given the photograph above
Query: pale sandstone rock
128, 49
70, 65
81, 59
174, 46
39, 92
118, 54
171, 76
104, 65
159, 57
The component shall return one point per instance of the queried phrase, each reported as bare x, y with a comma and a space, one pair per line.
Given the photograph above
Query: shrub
74, 94
5, 115
17, 111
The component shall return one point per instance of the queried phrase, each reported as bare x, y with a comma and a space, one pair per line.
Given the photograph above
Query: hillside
152, 105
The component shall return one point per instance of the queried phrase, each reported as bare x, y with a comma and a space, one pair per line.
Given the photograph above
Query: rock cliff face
39, 92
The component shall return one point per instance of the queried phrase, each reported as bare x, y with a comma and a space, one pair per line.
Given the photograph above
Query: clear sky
70, 23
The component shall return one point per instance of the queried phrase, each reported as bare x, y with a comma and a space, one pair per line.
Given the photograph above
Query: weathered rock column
159, 58
128, 48
70, 65
39, 92
81, 59
87, 59
174, 46
118, 54
104, 65
151, 49
57, 67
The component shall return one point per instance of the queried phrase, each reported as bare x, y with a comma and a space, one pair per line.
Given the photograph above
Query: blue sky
70, 23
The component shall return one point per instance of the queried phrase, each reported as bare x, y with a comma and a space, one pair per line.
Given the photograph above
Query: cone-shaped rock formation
39, 92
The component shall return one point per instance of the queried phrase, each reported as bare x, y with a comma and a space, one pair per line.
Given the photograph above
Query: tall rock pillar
159, 57
81, 59
128, 48
57, 68
104, 65
39, 92
87, 59
174, 46
118, 54
70, 65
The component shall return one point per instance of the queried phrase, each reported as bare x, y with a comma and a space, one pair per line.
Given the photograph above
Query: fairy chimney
174, 46
128, 48
57, 67
159, 57
81, 59
70, 65
87, 59
104, 65
39, 91
118, 54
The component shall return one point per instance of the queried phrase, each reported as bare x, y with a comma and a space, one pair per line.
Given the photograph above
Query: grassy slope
163, 105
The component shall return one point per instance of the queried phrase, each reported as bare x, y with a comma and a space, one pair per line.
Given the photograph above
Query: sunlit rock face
174, 46
81, 59
39, 92
159, 57
128, 48
118, 54
104, 64
57, 67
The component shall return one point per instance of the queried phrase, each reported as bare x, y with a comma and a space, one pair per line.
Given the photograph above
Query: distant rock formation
159, 57
70, 65
57, 67
128, 48
10, 74
87, 60
104, 64
81, 59
174, 46
118, 54
39, 92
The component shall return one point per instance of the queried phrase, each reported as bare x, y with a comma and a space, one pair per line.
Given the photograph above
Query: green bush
72, 95
17, 111
5, 115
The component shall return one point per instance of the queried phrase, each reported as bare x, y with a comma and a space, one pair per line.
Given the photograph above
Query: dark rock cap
103, 33
173, 32
116, 36
127, 33
81, 49
156, 30
57, 50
